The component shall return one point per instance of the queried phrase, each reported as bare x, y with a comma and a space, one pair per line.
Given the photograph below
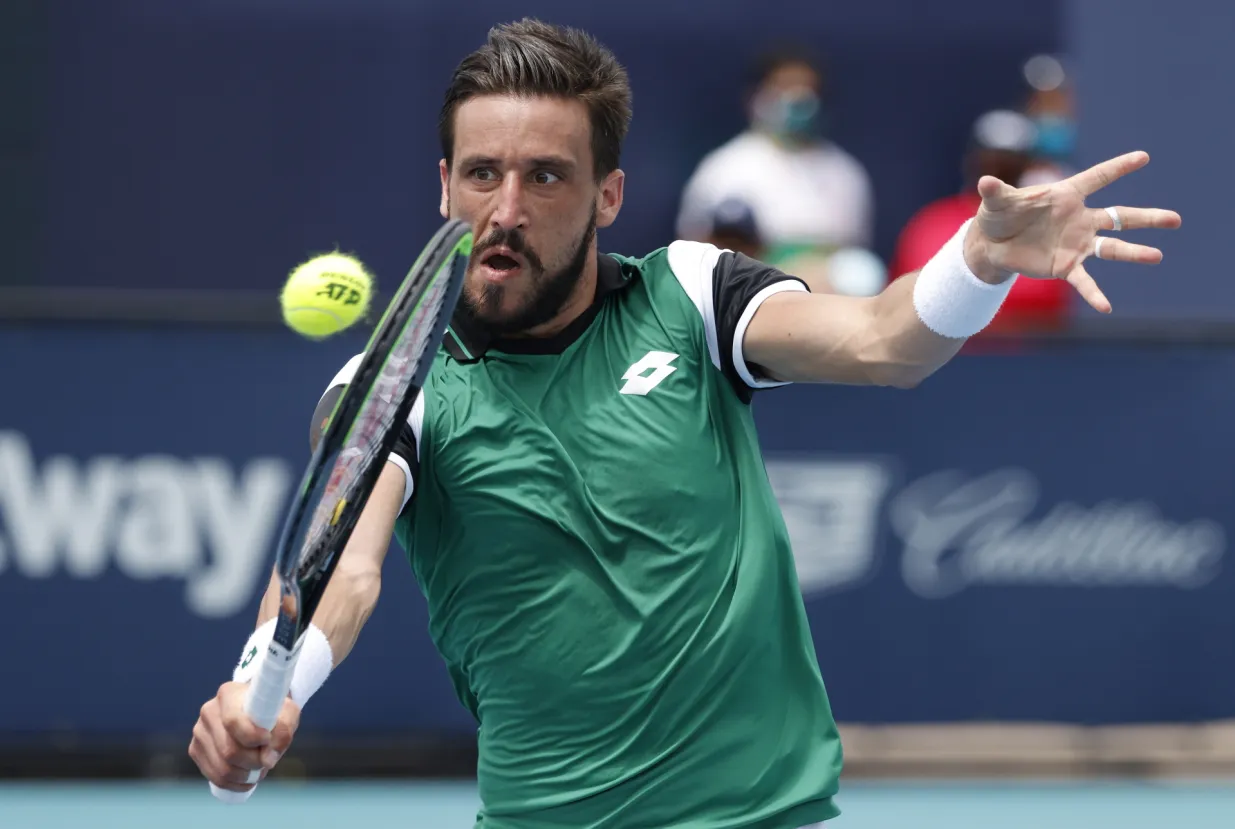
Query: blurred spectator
852, 271
1001, 145
732, 226
805, 191
1052, 109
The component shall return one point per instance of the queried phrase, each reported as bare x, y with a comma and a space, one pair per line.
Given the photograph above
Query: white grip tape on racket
273, 673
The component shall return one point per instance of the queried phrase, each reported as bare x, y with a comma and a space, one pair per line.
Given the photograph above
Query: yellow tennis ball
326, 294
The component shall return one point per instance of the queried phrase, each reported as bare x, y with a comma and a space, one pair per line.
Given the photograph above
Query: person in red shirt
1001, 146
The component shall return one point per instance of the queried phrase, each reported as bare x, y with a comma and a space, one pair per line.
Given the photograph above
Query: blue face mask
797, 116
1056, 136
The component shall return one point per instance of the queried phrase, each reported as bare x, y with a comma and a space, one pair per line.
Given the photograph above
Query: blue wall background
207, 143
1156, 76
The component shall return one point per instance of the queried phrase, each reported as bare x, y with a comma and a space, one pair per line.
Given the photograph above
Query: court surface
452, 806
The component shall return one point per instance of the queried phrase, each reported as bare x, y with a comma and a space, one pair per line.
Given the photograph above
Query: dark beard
549, 291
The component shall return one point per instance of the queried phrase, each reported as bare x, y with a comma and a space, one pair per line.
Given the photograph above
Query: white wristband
313, 665
949, 299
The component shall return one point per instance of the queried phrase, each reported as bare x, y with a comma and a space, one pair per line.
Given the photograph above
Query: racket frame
300, 591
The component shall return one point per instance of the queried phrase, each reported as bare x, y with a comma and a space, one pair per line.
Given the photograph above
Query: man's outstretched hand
1047, 231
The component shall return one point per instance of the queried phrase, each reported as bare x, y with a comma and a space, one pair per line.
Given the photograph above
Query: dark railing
261, 308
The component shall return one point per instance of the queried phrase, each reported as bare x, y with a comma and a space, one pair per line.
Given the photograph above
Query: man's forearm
352, 592
907, 351
924, 318
827, 338
898, 338
346, 605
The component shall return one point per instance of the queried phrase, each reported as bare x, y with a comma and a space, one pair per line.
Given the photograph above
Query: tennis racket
348, 459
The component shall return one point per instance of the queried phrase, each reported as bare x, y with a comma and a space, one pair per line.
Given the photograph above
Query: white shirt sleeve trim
739, 335
408, 483
415, 419
345, 374
693, 264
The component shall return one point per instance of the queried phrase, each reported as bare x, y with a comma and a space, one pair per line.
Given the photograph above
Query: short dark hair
530, 58
780, 55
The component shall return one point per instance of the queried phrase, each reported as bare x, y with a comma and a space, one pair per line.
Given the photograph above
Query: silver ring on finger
1097, 246
1114, 214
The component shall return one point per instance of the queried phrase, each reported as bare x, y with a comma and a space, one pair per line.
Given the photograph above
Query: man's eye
545, 177
484, 174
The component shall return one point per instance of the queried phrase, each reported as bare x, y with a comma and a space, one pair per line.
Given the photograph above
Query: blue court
452, 806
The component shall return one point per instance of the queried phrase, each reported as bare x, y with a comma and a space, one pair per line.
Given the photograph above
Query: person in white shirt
806, 192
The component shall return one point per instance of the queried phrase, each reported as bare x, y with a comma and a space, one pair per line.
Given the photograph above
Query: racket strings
409, 358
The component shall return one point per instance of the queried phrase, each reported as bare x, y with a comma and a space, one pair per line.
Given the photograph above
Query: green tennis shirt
608, 575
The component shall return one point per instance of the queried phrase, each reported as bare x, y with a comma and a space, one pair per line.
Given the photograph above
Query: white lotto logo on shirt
150, 517
638, 381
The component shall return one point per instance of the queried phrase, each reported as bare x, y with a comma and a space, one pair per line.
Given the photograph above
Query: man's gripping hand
227, 747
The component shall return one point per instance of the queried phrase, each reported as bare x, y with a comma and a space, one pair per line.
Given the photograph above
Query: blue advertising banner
1034, 536
1023, 537
144, 476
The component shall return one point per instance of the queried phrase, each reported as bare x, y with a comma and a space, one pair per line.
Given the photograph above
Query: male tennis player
580, 488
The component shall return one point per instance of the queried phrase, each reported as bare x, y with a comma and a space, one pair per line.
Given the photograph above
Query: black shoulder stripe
736, 280
405, 445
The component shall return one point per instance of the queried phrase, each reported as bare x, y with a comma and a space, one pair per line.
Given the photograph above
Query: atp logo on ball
340, 292
326, 294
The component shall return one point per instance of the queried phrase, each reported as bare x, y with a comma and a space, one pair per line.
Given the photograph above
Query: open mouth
501, 262
497, 266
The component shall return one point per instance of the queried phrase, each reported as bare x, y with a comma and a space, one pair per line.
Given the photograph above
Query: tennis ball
325, 295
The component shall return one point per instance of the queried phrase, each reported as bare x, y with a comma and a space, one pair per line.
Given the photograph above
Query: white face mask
796, 114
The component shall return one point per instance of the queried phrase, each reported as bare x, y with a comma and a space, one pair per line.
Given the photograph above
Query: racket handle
263, 702
228, 796
269, 688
